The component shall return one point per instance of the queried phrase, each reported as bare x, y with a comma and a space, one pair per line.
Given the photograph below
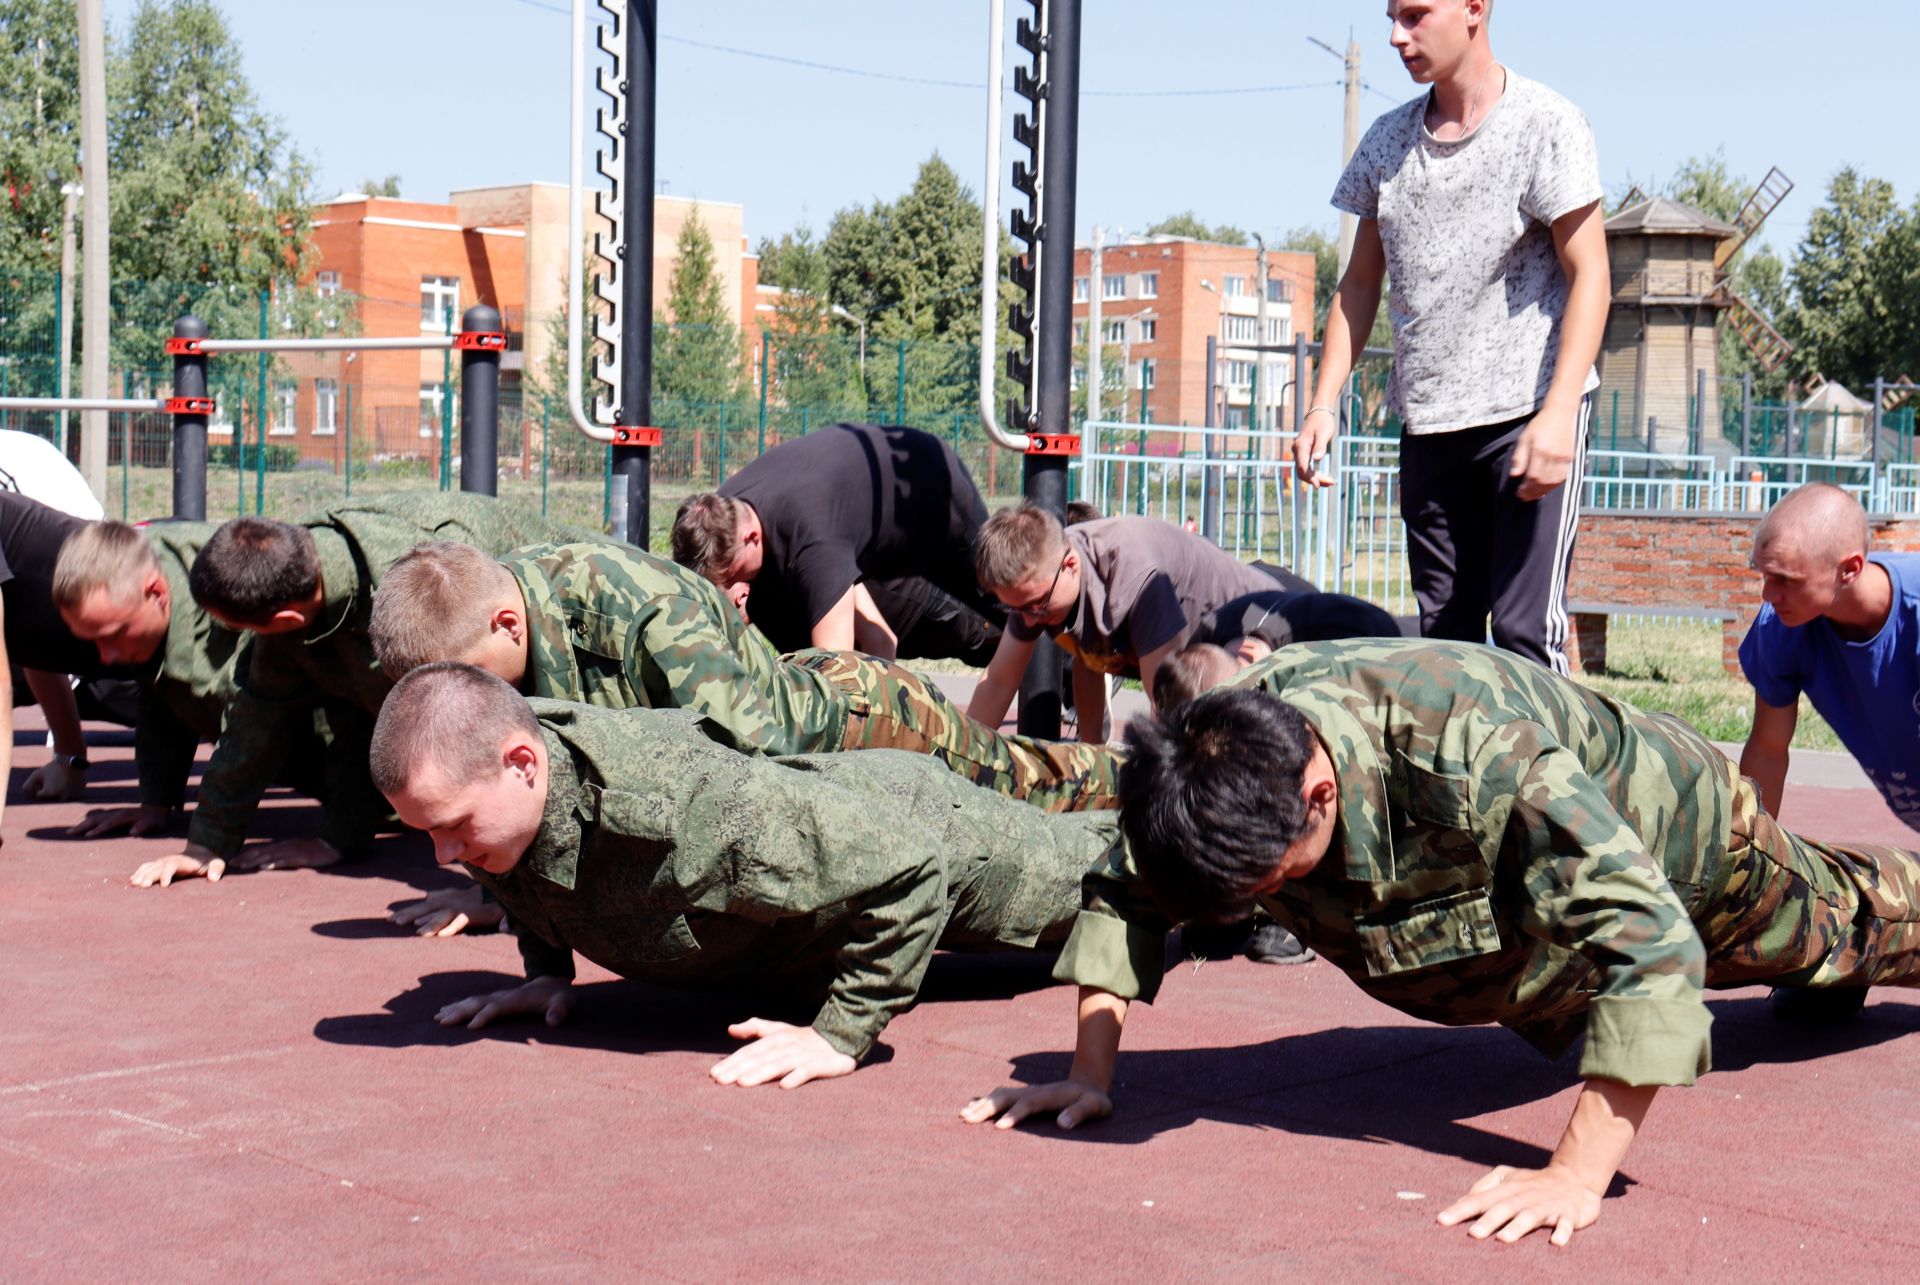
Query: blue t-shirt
1869, 691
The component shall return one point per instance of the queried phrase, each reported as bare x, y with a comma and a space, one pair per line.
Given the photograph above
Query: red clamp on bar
177, 347
189, 405
480, 341
1053, 444
624, 435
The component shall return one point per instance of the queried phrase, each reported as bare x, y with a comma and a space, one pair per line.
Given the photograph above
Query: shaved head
1818, 522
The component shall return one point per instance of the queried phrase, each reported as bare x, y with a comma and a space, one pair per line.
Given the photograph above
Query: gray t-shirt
1143, 584
1476, 291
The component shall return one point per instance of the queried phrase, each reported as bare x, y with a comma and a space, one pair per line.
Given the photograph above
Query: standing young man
1481, 201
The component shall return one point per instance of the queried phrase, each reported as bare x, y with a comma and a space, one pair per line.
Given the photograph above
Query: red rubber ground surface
242, 1081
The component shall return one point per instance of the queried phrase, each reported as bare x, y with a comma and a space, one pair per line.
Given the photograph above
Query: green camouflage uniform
611, 626
662, 855
281, 681
185, 695
1514, 848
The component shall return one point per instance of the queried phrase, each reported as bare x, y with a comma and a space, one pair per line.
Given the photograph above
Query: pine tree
696, 346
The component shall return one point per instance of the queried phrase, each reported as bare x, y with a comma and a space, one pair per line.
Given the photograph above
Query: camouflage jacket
609, 625
281, 680
184, 697
1510, 848
663, 855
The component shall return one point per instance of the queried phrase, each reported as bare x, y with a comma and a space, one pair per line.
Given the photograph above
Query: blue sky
465, 93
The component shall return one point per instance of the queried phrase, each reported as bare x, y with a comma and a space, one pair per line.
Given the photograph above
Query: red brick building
1161, 296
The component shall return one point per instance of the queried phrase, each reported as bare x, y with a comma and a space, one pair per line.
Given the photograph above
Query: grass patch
1675, 669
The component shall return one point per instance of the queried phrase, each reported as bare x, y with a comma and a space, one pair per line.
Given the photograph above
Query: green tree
1325, 250
812, 365
1187, 223
696, 346
1853, 280
388, 186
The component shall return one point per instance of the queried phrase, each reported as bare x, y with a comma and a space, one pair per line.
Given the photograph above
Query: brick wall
1658, 559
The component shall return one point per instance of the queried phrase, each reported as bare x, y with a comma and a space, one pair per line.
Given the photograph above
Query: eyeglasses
1038, 606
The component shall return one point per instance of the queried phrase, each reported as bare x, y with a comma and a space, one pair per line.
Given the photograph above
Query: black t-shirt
30, 538
850, 503
1278, 617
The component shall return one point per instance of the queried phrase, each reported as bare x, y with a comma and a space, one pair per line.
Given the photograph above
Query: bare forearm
1349, 322
1096, 1044
54, 693
1605, 1120
1767, 767
991, 700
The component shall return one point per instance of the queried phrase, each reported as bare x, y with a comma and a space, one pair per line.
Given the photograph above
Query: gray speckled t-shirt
1476, 291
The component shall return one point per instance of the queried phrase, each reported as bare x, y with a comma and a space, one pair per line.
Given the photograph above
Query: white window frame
286, 408
1080, 290
1077, 379
1149, 285
1234, 287
439, 303
1114, 331
1149, 373
326, 407
326, 283
1238, 329
1279, 290
1113, 286
1080, 332
1149, 329
433, 407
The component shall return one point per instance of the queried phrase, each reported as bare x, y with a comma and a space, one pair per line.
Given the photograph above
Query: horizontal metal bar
345, 343
83, 403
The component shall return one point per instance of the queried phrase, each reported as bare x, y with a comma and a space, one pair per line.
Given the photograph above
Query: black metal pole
480, 405
1046, 475
633, 465
1209, 476
189, 431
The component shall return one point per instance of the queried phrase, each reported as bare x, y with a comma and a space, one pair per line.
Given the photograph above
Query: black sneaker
1272, 944
1816, 1006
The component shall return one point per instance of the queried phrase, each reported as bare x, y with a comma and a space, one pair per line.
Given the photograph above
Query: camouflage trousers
1802, 913
889, 708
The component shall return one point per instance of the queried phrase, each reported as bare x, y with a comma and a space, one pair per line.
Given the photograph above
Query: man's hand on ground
1543, 457
56, 779
288, 854
101, 822
164, 870
448, 913
548, 997
791, 1054
1075, 1102
1512, 1202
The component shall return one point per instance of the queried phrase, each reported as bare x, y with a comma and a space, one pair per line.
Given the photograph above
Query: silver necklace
1466, 123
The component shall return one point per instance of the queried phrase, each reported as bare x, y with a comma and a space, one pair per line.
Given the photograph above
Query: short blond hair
451, 718
1015, 545
1197, 668
706, 534
434, 603
106, 555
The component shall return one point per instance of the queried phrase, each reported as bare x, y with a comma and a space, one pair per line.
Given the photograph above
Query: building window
326, 406
1236, 287
431, 398
1115, 331
1113, 287
1239, 373
1272, 375
1149, 285
1149, 329
1079, 289
1077, 379
1079, 332
1241, 330
221, 421
439, 303
1236, 417
1279, 290
1147, 367
286, 395
1279, 330
327, 284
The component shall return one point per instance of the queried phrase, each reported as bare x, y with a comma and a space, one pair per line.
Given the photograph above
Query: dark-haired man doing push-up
1474, 839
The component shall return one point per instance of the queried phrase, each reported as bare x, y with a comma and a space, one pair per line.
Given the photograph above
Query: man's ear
520, 758
1851, 566
156, 588
290, 618
509, 621
1323, 793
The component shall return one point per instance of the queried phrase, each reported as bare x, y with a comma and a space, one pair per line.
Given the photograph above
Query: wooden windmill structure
1671, 287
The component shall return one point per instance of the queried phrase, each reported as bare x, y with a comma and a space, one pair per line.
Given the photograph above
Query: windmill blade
1768, 346
1773, 189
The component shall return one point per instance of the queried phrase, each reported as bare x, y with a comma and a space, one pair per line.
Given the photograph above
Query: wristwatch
72, 760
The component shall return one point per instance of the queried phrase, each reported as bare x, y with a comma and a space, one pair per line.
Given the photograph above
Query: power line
897, 78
